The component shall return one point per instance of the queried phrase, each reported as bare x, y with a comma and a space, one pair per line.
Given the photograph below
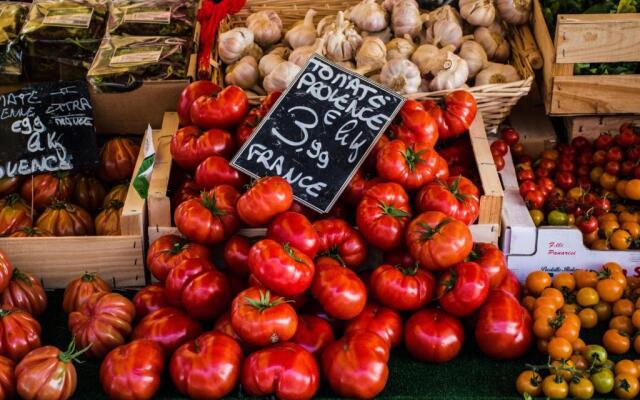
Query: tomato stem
88, 277
20, 276
428, 231
264, 302
209, 202
334, 253
71, 354
412, 157
291, 253
392, 211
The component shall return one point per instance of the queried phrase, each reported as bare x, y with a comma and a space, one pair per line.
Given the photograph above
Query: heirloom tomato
9, 185
190, 146
340, 241
338, 289
107, 222
19, 333
284, 370
457, 197
88, 192
7, 378
418, 126
295, 229
149, 299
410, 165
492, 261
357, 186
103, 322
207, 367
215, 171
187, 190
118, 158
432, 335
454, 115
190, 94
15, 214
383, 215
79, 290
133, 371
268, 197
169, 327
24, 292
223, 109
262, 319
211, 218
313, 334
282, 268
64, 219
383, 321
236, 255
356, 365
45, 189
437, 241
462, 289
168, 251
6, 271
31, 232
118, 192
402, 288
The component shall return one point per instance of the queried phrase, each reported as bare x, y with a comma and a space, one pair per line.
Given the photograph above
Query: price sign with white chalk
319, 132
46, 127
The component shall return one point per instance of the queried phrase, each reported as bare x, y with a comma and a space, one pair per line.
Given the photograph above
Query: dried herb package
124, 62
12, 17
152, 17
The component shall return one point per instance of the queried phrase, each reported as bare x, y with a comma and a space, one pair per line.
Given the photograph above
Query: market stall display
13, 16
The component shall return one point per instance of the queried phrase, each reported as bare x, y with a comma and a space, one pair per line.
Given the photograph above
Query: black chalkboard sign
319, 132
46, 127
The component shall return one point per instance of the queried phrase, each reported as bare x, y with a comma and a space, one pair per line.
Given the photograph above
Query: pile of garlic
392, 42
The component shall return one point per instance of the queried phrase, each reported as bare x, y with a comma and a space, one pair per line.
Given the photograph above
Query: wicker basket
495, 101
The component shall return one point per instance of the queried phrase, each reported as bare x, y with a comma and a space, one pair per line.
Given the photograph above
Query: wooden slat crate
588, 38
592, 127
487, 228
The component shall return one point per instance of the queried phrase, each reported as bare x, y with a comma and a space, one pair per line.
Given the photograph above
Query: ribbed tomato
432, 335
9, 185
19, 333
168, 251
31, 232
236, 255
456, 197
24, 292
455, 115
15, 214
215, 171
491, 260
118, 158
338, 289
149, 299
190, 146
88, 192
410, 165
340, 241
79, 290
169, 327
108, 220
6, 271
383, 321
64, 219
45, 189
313, 334
7, 378
462, 289
419, 126
118, 192
295, 229
357, 186
268, 197
402, 288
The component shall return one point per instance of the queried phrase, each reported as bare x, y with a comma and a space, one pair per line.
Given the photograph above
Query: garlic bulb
454, 73
375, 78
446, 13
495, 45
401, 75
475, 56
515, 12
266, 26
254, 51
343, 41
478, 12
270, 61
232, 44
325, 25
389, 4
443, 33
303, 33
347, 64
243, 73
497, 73
429, 58
372, 54
369, 16
385, 35
400, 48
405, 19
280, 78
301, 55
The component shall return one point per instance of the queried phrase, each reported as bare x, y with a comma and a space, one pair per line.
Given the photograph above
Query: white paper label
77, 17
142, 55
148, 15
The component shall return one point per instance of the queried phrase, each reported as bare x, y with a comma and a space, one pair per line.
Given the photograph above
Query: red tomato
499, 163
627, 136
356, 365
190, 93
340, 241
283, 269
503, 330
454, 117
19, 333
462, 289
267, 198
534, 199
47, 373
236, 255
527, 186
64, 219
437, 241
456, 197
262, 319
402, 288
44, 189
210, 219
79, 290
509, 135
118, 158
15, 214
149, 299
295, 229
247, 125
338, 289
7, 378
24, 292
511, 284
223, 324
499, 148
580, 142
285, 370
6, 271
383, 321
587, 224
419, 126
168, 251
215, 171
603, 142
207, 367
190, 146
410, 165
205, 295
9, 185
615, 154
357, 186
313, 334
133, 371
383, 215
432, 335
220, 110
169, 327
492, 261
103, 322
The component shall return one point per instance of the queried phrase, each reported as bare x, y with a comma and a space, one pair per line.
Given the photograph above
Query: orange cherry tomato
591, 237
635, 319
600, 244
632, 189
627, 216
633, 228
612, 267
578, 346
626, 367
603, 310
620, 239
587, 296
529, 382
585, 278
537, 281
588, 318
555, 295
622, 324
608, 227
623, 307
626, 386
579, 361
570, 308
542, 328
560, 348
528, 302
564, 280
615, 342
609, 290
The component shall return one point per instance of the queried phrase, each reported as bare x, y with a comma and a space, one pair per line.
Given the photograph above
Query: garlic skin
453, 74
347, 64
343, 41
406, 19
446, 13
478, 12
401, 75
495, 45
475, 56
243, 73
385, 35
270, 61
233, 43
389, 4
444, 33
372, 55
280, 78
429, 58
400, 48
497, 73
325, 25
369, 16
254, 51
303, 33
266, 26
515, 12
301, 55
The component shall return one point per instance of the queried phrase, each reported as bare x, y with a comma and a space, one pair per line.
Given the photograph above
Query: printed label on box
148, 15
77, 17
135, 56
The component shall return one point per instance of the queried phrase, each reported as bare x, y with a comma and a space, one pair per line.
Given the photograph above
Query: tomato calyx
624, 385
334, 253
475, 254
12, 199
428, 231
209, 203
62, 205
291, 253
4, 312
412, 157
88, 277
450, 282
114, 204
407, 271
264, 302
71, 354
20, 276
455, 190
392, 211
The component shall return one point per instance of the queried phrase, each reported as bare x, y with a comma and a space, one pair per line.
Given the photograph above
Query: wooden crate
588, 38
487, 228
55, 261
592, 127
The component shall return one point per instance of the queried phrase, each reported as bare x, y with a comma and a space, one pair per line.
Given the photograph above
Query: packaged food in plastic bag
12, 17
152, 18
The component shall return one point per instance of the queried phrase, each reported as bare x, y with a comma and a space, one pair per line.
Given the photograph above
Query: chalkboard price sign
46, 127
319, 132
